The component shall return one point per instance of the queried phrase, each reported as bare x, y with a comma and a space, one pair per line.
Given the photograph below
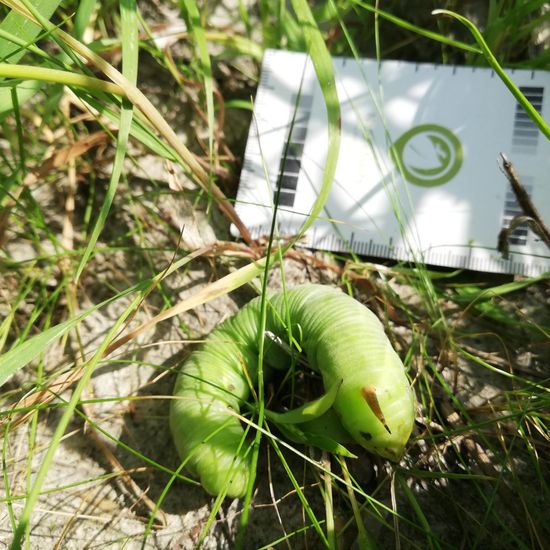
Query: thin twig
530, 213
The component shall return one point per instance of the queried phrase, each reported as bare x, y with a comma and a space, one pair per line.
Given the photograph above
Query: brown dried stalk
530, 214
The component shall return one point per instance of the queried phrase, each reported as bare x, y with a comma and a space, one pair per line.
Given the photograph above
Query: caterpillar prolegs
343, 340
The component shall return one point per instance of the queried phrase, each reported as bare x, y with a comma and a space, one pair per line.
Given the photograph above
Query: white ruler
443, 202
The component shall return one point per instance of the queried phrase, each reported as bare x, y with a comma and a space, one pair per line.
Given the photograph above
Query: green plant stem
30, 72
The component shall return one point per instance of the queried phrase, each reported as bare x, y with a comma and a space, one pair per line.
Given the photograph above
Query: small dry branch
530, 214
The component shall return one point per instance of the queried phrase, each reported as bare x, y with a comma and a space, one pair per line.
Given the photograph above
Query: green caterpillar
343, 340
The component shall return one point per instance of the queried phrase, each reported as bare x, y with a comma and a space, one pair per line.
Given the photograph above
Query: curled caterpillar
343, 340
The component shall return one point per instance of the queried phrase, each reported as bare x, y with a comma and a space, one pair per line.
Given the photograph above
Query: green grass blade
22, 354
193, 20
416, 29
23, 44
316, 524
322, 61
423, 521
130, 51
24, 32
533, 114
139, 130
24, 29
236, 45
45, 466
6, 479
82, 17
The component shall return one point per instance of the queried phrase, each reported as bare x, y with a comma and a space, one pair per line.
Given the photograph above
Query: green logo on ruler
428, 155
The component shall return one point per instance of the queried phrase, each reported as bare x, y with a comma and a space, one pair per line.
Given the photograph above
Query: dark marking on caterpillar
342, 339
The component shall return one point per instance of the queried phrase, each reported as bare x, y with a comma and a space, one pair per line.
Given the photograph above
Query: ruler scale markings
289, 170
526, 133
468, 209
525, 139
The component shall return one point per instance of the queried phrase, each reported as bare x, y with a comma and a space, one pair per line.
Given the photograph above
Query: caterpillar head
379, 418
